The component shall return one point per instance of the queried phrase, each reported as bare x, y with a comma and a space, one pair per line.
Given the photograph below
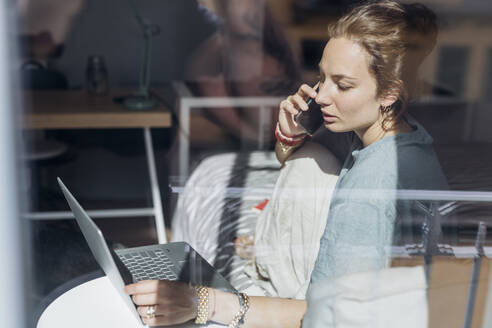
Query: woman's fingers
157, 321
291, 106
142, 287
287, 106
146, 292
299, 102
306, 91
165, 314
145, 299
165, 320
174, 302
159, 310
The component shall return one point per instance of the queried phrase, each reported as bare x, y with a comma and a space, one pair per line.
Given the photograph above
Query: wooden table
80, 110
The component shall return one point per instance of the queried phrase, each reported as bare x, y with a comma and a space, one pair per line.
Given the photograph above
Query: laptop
176, 261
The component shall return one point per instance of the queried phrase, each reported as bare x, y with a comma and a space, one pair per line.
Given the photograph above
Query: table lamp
142, 99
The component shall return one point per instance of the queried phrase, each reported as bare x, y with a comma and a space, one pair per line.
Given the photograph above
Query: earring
385, 109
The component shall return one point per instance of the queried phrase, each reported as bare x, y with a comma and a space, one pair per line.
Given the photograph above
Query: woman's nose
323, 98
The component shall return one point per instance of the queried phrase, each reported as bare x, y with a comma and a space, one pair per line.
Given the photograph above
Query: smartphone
311, 119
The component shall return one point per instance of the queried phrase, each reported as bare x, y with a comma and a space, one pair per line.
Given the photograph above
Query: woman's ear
388, 100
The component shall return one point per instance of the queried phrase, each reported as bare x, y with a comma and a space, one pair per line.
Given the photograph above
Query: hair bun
420, 18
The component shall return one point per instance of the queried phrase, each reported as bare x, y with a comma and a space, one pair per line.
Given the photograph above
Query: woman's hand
290, 107
174, 302
244, 246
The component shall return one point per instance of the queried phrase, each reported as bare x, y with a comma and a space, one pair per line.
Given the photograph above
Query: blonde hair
383, 28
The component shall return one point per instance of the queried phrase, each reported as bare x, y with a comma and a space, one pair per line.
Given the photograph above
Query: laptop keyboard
149, 265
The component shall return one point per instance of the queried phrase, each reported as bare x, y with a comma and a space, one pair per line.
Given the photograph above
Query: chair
186, 102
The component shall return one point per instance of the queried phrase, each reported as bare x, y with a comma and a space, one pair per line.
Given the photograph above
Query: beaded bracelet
289, 141
238, 319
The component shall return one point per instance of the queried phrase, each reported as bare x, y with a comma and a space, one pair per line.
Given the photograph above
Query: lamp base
139, 102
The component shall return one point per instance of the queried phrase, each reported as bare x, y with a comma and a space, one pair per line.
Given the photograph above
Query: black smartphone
311, 119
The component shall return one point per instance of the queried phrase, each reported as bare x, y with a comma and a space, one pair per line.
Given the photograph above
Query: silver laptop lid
98, 246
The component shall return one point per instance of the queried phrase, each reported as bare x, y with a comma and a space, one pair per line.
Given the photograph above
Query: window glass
488, 82
453, 61
329, 159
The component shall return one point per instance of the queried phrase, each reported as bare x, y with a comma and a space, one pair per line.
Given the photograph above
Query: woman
361, 91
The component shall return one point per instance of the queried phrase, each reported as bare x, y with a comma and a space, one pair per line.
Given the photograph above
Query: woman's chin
334, 127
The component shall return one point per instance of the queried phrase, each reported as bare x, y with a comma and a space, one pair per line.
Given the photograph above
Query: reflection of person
256, 60
238, 57
42, 37
421, 40
109, 28
362, 92
82, 28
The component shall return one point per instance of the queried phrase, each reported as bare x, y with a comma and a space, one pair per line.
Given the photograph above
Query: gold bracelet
285, 148
202, 309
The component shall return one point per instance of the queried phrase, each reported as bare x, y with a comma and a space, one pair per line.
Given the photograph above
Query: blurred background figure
220, 48
44, 25
250, 57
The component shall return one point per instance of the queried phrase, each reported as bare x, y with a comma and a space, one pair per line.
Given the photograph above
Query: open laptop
174, 261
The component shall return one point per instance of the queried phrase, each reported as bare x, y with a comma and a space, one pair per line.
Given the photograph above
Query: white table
76, 109
94, 304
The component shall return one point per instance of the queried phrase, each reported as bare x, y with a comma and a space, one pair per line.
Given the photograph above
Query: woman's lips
329, 118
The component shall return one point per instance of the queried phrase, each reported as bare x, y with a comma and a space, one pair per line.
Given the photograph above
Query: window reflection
218, 72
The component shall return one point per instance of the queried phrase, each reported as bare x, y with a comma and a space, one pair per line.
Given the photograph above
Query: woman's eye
343, 87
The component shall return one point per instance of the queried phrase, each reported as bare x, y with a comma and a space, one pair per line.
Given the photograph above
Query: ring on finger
150, 312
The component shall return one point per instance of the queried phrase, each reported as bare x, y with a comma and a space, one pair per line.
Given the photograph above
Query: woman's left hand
174, 302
